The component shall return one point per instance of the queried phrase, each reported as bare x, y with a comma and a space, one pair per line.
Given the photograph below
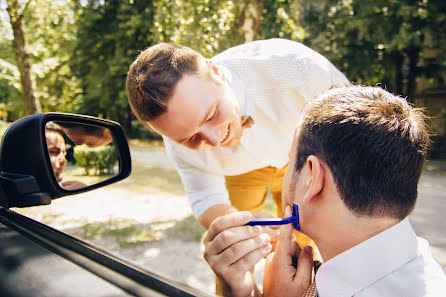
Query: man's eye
213, 115
192, 139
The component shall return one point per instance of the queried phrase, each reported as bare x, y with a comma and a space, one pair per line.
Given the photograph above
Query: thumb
304, 267
286, 233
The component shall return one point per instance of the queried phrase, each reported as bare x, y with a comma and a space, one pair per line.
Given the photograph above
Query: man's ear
216, 72
316, 177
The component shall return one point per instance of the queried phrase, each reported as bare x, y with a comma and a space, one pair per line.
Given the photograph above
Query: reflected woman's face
57, 152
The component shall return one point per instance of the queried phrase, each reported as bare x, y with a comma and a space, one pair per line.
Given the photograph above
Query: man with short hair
355, 163
227, 122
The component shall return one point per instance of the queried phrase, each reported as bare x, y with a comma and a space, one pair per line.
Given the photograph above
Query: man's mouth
226, 137
58, 177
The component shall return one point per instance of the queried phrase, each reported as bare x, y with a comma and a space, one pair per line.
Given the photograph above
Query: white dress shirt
394, 262
272, 80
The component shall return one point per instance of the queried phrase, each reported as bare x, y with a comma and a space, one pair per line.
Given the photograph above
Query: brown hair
53, 127
153, 76
374, 143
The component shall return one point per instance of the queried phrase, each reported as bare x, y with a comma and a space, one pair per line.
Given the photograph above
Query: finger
274, 227
304, 267
262, 214
231, 236
220, 263
248, 261
273, 234
234, 219
284, 241
269, 259
240, 249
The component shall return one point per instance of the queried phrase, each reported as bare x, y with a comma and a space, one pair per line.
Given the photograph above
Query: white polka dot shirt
272, 79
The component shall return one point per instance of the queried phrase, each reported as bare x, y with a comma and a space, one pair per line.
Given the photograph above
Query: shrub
98, 160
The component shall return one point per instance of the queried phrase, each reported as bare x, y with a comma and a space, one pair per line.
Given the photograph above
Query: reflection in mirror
81, 155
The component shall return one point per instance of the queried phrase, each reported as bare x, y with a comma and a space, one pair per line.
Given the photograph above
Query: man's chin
231, 143
58, 178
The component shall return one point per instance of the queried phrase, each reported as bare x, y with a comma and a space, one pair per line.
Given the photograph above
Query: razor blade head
296, 223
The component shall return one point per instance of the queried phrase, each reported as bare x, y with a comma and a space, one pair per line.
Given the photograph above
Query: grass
124, 232
154, 179
79, 175
127, 232
187, 229
48, 218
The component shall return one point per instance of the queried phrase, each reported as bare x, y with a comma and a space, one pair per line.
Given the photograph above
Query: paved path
428, 218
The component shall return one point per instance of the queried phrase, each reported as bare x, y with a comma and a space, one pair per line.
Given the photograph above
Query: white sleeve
203, 188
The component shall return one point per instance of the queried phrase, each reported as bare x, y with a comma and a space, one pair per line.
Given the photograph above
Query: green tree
281, 18
206, 26
16, 13
49, 46
109, 36
392, 43
52, 42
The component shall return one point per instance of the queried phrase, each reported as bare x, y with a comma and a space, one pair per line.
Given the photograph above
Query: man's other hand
232, 249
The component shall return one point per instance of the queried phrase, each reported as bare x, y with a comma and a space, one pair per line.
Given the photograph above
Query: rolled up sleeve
204, 190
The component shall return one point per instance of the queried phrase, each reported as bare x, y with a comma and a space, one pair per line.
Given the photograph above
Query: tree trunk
250, 18
32, 104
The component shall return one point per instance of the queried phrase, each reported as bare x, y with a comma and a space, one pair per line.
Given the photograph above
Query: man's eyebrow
208, 114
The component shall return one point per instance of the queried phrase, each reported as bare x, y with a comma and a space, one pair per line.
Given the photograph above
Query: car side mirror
51, 155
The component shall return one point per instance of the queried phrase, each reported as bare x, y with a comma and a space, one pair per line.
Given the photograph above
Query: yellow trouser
248, 192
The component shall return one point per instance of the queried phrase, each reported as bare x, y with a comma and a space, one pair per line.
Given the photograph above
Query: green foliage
81, 50
97, 160
281, 19
50, 33
204, 25
387, 42
109, 36
49, 27
11, 99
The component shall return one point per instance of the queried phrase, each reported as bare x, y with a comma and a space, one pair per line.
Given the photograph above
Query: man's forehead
52, 135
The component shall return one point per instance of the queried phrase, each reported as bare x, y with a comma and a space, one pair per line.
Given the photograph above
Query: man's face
56, 150
80, 136
200, 114
292, 187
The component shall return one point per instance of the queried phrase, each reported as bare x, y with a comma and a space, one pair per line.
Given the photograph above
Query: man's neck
351, 230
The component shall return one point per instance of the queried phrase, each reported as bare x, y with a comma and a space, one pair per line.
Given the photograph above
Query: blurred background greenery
73, 56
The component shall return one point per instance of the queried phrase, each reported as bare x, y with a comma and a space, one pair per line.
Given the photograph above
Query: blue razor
294, 219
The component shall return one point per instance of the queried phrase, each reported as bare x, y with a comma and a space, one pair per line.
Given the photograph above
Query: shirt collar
359, 267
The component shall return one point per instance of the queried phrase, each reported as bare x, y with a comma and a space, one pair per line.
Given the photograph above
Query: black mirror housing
27, 177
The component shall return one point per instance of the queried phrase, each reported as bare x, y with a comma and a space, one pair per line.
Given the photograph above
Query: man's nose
61, 160
211, 135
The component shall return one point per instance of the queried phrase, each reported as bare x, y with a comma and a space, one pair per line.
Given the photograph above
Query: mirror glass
81, 155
